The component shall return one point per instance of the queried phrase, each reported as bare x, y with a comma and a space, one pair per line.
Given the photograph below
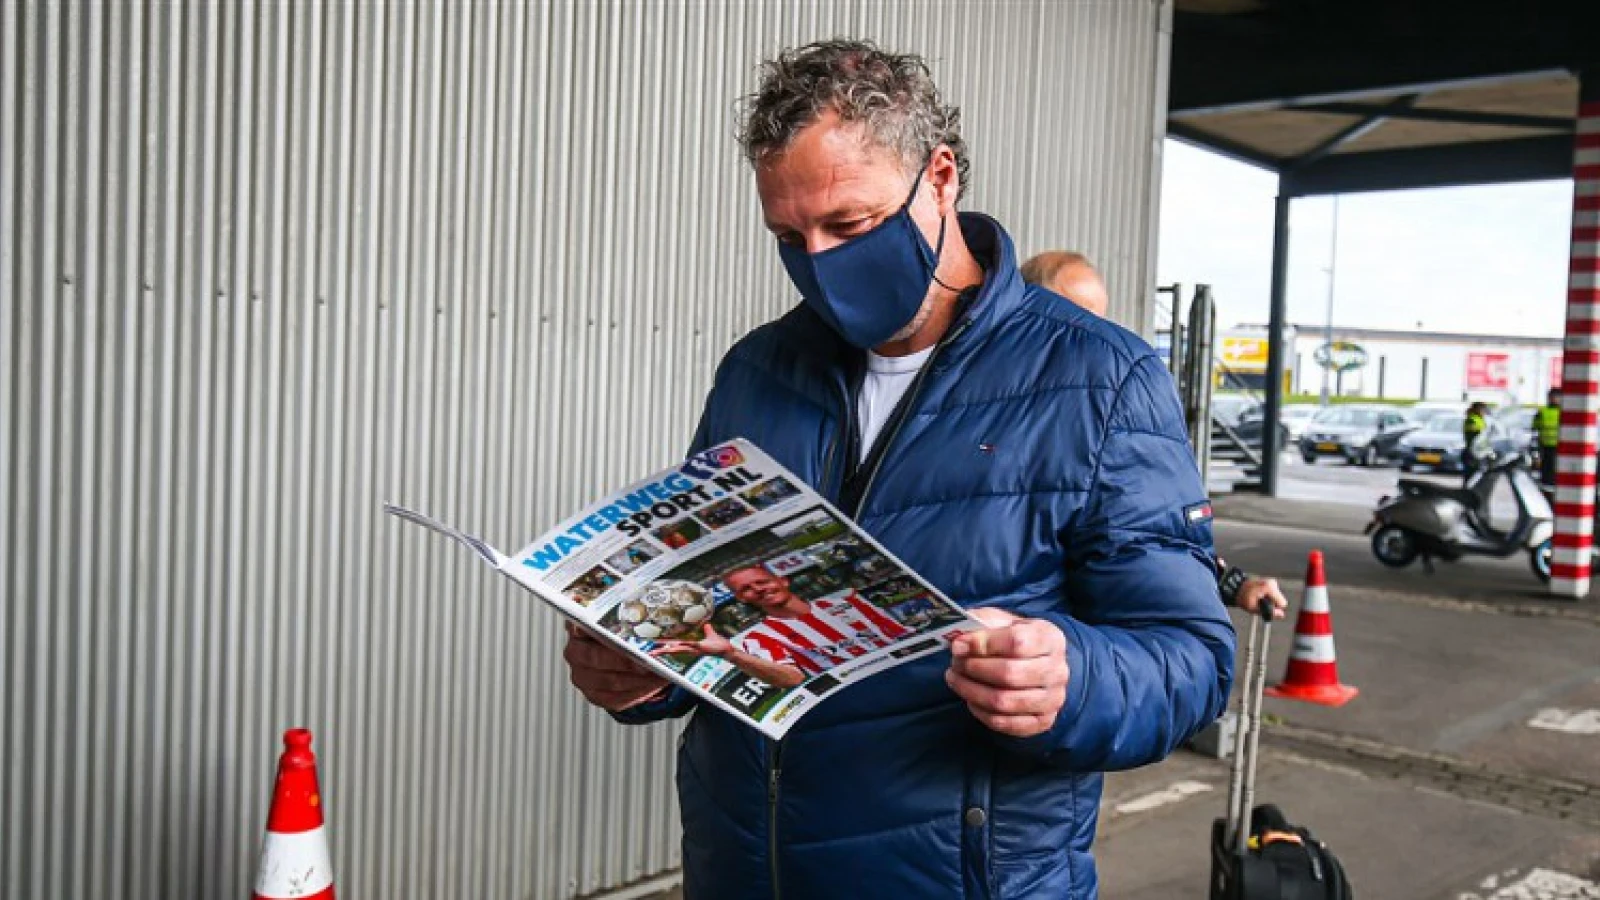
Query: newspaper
732, 578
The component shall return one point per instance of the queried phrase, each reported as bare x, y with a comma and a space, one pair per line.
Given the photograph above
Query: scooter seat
1431, 489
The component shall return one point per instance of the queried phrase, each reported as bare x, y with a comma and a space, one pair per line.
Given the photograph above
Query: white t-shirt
888, 377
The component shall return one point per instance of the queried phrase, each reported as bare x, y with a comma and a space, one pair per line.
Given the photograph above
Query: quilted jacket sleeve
672, 705
1149, 644
676, 701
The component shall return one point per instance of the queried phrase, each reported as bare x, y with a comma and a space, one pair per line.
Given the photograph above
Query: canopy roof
1339, 96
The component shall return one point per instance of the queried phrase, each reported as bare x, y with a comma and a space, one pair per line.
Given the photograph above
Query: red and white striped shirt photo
837, 629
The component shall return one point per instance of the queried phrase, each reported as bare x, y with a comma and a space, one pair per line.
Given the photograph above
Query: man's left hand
1012, 674
1256, 591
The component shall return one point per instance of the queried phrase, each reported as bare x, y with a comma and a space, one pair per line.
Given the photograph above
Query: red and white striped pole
1580, 377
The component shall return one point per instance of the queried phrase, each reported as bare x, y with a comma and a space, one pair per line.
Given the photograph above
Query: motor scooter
1434, 521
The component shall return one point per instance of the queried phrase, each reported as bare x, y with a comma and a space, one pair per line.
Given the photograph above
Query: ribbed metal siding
265, 265
1065, 105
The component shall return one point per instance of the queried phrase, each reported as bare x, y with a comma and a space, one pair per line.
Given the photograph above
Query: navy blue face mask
871, 286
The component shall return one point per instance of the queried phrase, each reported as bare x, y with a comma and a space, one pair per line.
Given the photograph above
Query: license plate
1328, 445
1429, 457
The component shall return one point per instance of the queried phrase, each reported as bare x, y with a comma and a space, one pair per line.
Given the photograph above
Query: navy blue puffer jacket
1043, 468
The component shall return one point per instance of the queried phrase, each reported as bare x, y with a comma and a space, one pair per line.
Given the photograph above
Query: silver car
1361, 435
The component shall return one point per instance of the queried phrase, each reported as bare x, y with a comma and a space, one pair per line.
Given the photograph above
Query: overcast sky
1487, 260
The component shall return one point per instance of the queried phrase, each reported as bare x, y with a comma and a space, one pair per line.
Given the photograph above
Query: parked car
1249, 430
1424, 416
1438, 444
1230, 408
1291, 424
1362, 435
1520, 425
1427, 409
1295, 417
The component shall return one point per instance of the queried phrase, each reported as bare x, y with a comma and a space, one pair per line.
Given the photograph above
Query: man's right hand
606, 677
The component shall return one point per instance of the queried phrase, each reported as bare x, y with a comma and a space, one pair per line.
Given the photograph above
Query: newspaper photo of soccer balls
666, 609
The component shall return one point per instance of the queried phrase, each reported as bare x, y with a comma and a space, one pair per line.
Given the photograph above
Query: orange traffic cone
294, 854
1313, 674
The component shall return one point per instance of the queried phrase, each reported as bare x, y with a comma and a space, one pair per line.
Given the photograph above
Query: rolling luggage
1256, 853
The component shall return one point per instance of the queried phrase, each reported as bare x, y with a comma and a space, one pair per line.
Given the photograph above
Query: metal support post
1197, 398
1275, 349
1175, 332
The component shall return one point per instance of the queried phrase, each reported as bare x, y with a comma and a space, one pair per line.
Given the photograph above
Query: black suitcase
1264, 857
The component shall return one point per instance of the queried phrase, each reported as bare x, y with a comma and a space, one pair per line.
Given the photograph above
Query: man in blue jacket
1024, 456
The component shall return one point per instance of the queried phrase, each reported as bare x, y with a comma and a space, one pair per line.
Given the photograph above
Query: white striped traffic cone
1313, 674
294, 854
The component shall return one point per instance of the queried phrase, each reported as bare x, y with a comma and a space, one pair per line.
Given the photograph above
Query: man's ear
945, 178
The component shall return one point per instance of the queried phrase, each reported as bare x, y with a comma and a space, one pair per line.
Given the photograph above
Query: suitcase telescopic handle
1247, 733
1248, 802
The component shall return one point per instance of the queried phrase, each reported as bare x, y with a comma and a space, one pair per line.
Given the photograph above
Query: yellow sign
1245, 354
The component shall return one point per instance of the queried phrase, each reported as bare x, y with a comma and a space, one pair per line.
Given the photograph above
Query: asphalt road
1468, 768
1327, 505
1335, 481
1394, 839
1281, 552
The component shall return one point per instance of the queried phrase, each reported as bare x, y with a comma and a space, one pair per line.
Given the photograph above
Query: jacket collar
1001, 293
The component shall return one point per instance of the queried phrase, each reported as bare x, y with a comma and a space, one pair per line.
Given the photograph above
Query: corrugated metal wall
265, 265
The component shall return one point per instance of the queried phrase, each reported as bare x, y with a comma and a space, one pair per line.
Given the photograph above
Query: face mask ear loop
937, 254
938, 249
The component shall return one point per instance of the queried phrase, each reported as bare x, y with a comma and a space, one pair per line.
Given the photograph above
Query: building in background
1400, 365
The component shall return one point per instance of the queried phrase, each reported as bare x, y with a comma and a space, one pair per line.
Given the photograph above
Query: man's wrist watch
1230, 582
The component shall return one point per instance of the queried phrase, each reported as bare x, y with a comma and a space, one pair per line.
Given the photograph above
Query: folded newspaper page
731, 577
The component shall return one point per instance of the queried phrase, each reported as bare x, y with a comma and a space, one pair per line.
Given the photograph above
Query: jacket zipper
843, 443
825, 486
848, 424
906, 407
774, 771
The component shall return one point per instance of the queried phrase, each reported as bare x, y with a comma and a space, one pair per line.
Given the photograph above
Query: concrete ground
1395, 840
1468, 767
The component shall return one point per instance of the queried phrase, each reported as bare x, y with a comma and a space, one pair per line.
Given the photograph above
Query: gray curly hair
891, 94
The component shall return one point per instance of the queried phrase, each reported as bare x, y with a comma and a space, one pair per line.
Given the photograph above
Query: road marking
1471, 728
1177, 792
1538, 884
1581, 721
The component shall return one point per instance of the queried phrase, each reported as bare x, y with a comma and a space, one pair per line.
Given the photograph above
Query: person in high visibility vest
1475, 431
1549, 423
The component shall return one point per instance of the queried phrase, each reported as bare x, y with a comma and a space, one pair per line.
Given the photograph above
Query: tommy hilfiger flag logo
1197, 513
